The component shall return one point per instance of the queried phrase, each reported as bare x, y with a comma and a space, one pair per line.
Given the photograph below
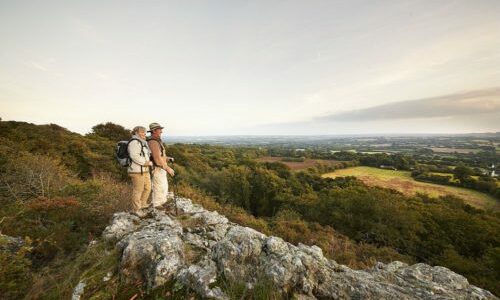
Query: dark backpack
122, 154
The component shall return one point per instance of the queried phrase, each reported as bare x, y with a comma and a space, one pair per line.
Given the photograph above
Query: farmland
403, 182
454, 150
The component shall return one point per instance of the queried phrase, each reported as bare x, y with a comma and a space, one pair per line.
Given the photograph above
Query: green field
403, 182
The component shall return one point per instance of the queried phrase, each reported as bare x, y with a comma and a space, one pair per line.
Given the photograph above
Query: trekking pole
175, 189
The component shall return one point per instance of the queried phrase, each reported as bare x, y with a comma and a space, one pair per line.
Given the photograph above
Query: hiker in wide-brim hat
154, 126
160, 165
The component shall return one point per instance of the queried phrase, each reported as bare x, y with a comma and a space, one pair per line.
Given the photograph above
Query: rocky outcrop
10, 244
199, 249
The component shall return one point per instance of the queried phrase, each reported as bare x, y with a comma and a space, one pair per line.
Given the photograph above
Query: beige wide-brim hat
154, 126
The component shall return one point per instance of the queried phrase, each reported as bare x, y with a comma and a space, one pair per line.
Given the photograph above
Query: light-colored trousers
160, 187
141, 188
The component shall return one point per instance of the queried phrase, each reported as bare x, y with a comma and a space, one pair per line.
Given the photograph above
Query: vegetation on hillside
58, 190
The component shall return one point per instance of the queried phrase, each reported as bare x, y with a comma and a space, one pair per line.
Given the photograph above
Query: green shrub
15, 273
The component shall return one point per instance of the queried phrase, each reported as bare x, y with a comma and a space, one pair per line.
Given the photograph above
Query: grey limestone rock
157, 249
199, 277
78, 291
10, 244
121, 225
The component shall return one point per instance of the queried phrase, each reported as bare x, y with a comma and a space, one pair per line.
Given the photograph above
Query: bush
84, 156
15, 273
27, 176
434, 178
111, 131
57, 226
102, 197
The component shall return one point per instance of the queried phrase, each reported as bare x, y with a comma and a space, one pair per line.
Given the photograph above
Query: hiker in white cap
138, 169
161, 168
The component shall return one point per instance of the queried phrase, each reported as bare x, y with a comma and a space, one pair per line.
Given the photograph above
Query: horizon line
286, 135
332, 135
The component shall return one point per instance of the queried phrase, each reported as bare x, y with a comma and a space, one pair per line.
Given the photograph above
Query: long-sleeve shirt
158, 153
138, 152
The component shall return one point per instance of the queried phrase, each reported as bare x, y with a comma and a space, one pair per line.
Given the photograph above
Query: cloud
458, 104
43, 65
37, 66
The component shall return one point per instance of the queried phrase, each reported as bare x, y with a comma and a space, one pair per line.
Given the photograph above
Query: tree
27, 176
462, 172
111, 131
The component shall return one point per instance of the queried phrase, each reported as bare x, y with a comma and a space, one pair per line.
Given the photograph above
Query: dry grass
192, 254
188, 221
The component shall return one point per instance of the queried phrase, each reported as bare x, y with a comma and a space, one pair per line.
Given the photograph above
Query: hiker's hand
148, 164
171, 172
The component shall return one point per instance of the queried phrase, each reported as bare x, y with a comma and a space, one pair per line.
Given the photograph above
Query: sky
253, 67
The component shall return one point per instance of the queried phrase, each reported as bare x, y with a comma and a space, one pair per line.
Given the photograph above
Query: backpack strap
142, 152
161, 152
161, 146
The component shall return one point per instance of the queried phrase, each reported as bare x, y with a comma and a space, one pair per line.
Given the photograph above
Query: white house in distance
388, 167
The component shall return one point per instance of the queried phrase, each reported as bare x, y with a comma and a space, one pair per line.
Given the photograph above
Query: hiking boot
139, 213
161, 208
